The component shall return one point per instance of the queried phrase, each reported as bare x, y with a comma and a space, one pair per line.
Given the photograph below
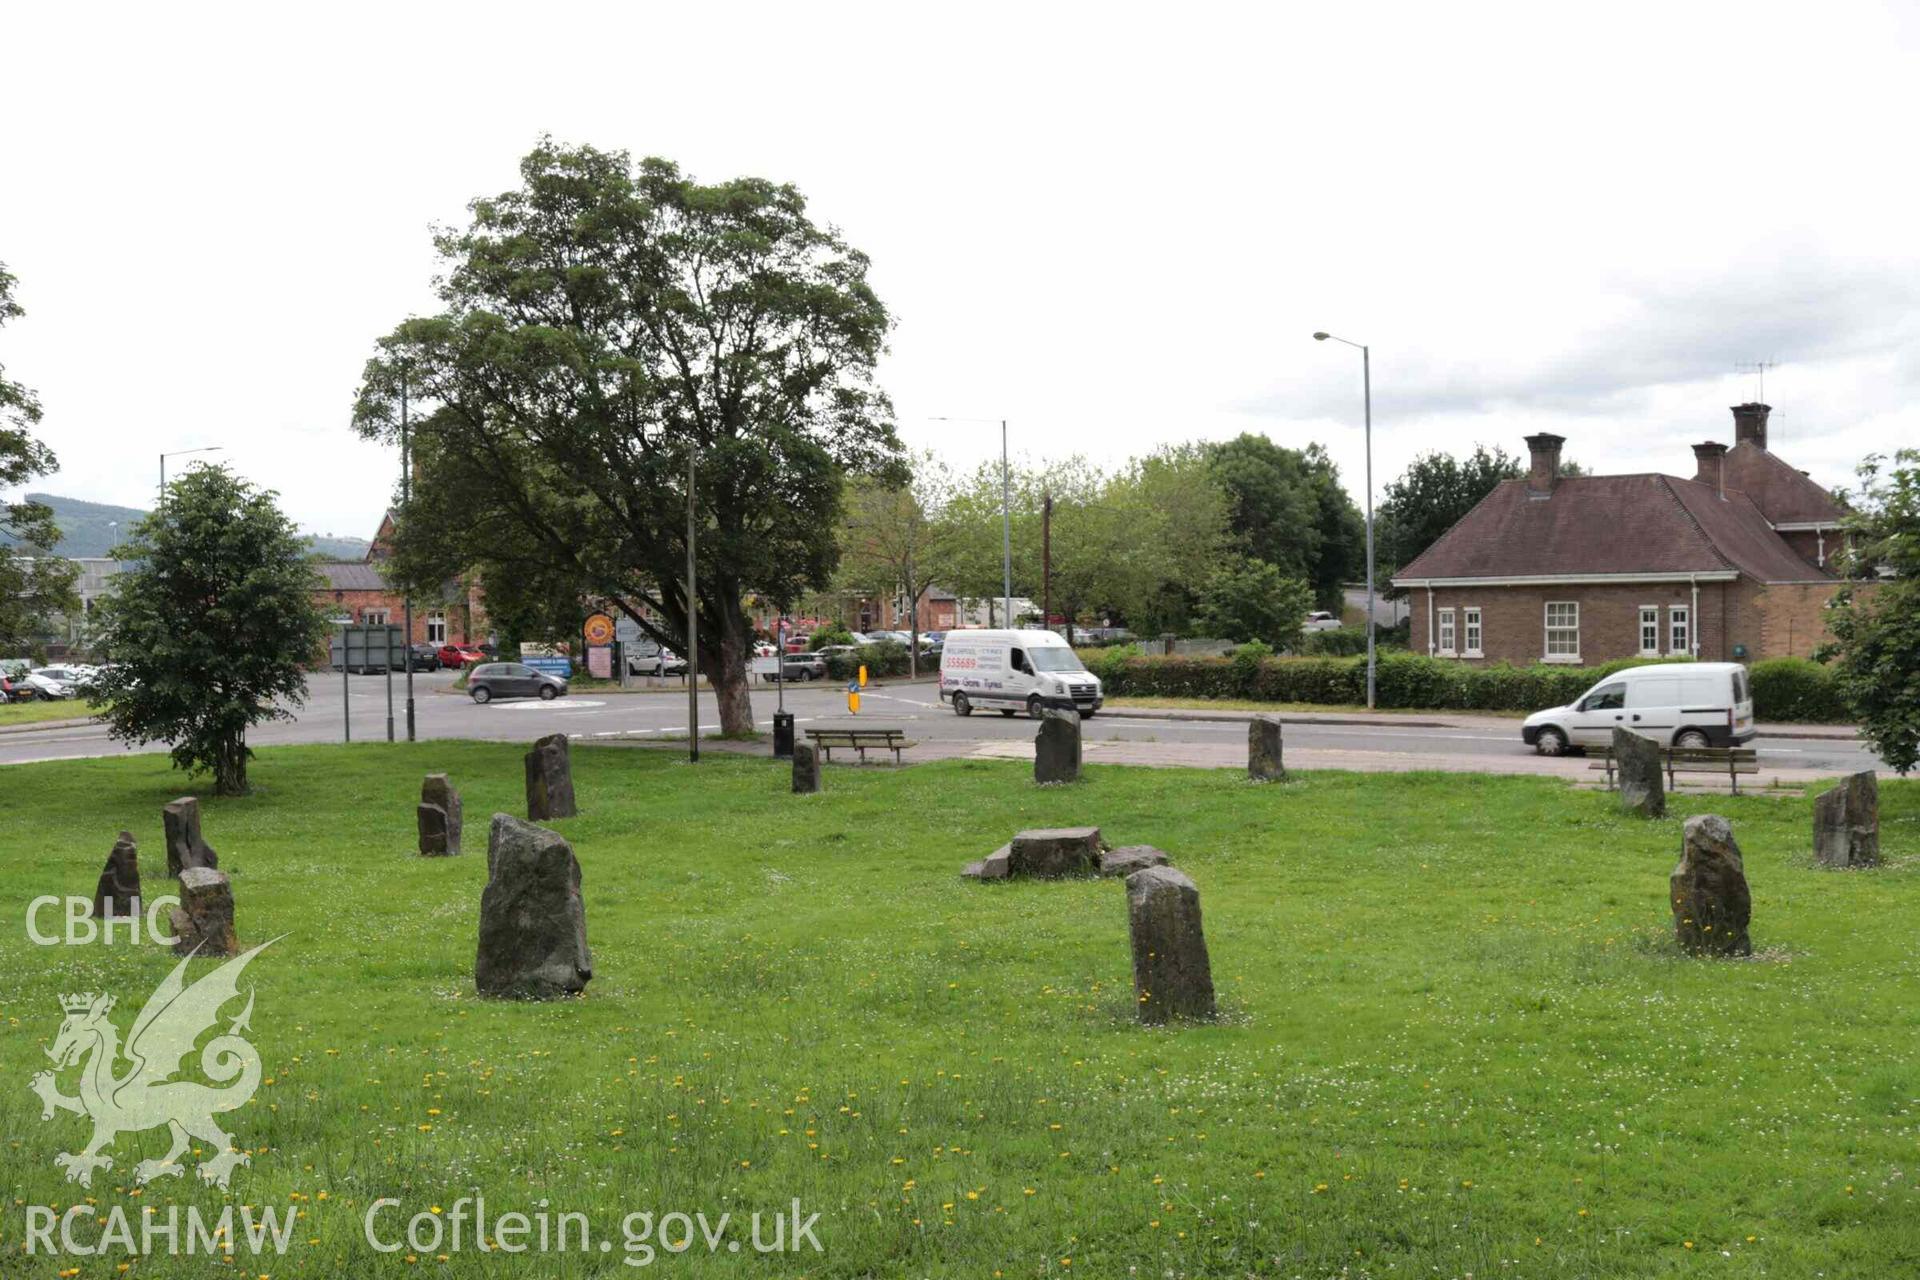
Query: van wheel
1692, 739
961, 706
1033, 706
482, 694
1551, 742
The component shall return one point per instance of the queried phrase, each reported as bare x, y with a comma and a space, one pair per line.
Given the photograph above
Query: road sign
550, 666
599, 629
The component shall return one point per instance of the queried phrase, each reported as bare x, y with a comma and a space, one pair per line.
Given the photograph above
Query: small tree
209, 627
1249, 599
1875, 619
889, 543
34, 584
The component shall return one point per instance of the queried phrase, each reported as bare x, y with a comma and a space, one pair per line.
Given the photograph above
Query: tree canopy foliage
1287, 507
34, 583
603, 324
209, 625
1875, 618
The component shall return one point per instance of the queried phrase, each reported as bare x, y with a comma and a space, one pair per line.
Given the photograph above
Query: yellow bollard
863, 675
853, 701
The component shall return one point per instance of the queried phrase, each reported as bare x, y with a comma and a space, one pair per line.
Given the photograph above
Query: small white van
1681, 704
1012, 671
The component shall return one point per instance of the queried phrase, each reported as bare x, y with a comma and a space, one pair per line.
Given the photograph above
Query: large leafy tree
34, 583
210, 625
1431, 496
1875, 618
1288, 508
604, 324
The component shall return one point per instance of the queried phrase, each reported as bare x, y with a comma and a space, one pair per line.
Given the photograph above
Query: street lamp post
406, 491
693, 632
1366, 386
1006, 519
178, 453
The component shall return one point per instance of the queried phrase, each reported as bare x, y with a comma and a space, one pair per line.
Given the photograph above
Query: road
1425, 741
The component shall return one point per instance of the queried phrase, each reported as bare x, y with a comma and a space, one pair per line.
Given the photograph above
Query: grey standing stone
204, 918
550, 779
992, 867
1263, 750
533, 924
1846, 822
1051, 852
1056, 747
1171, 975
185, 847
1643, 787
806, 769
439, 817
1711, 904
118, 893
1128, 859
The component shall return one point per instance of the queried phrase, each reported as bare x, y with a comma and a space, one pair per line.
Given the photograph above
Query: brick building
356, 591
1728, 565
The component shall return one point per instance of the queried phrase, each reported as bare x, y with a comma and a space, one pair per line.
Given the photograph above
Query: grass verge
1456, 1038
39, 711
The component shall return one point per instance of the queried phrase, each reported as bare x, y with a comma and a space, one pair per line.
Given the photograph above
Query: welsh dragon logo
145, 1095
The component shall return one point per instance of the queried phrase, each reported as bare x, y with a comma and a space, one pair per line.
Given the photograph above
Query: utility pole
406, 490
1006, 526
693, 630
1046, 567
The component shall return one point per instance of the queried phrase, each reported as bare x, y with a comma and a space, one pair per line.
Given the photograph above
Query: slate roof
1784, 494
1625, 525
351, 575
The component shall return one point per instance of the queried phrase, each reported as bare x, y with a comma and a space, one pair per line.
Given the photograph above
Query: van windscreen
1052, 659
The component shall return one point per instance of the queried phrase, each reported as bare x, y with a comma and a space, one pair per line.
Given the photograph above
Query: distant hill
86, 529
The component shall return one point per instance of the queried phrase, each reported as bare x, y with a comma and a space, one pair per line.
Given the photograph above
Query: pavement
1790, 755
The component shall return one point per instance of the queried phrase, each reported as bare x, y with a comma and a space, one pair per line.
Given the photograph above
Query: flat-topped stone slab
1051, 852
1130, 858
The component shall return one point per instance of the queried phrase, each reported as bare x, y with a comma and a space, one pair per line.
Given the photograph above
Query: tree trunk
230, 767
726, 667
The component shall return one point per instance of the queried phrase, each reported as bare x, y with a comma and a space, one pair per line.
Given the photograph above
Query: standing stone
1846, 823
1642, 781
1051, 852
806, 769
533, 924
1056, 747
1130, 858
439, 817
1711, 905
204, 918
185, 848
1171, 976
118, 893
550, 779
1263, 750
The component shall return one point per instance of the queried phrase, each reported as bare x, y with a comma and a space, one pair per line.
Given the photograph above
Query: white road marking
555, 704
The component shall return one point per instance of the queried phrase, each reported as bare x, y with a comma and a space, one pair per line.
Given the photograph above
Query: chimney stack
1750, 423
1710, 465
1545, 451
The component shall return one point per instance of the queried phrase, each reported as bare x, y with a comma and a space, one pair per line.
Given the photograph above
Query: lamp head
1321, 337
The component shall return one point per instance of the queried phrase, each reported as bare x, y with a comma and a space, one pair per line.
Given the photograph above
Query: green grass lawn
38, 711
1456, 1038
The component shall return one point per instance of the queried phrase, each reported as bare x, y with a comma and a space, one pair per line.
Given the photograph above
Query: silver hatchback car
492, 680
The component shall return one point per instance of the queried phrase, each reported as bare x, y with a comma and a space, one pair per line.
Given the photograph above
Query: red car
459, 655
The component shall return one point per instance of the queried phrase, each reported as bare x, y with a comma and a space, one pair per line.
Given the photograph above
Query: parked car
458, 655
1012, 671
423, 657
1321, 620
645, 658
492, 680
1692, 704
804, 666
46, 686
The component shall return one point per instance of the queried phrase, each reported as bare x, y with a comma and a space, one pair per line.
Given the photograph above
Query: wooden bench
894, 740
1728, 761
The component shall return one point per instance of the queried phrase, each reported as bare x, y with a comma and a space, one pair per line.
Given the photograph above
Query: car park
492, 680
1683, 704
1011, 671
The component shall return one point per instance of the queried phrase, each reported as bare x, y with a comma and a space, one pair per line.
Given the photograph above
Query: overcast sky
1114, 226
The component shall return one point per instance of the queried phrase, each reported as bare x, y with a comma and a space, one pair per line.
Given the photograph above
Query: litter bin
783, 735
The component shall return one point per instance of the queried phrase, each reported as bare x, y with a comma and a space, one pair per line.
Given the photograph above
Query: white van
1012, 671
1681, 704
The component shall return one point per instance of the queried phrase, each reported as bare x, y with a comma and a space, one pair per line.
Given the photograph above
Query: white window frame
436, 628
1649, 623
1680, 629
1446, 634
375, 617
1547, 652
1472, 637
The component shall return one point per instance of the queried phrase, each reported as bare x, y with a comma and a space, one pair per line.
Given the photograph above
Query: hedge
1797, 690
883, 658
1786, 689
